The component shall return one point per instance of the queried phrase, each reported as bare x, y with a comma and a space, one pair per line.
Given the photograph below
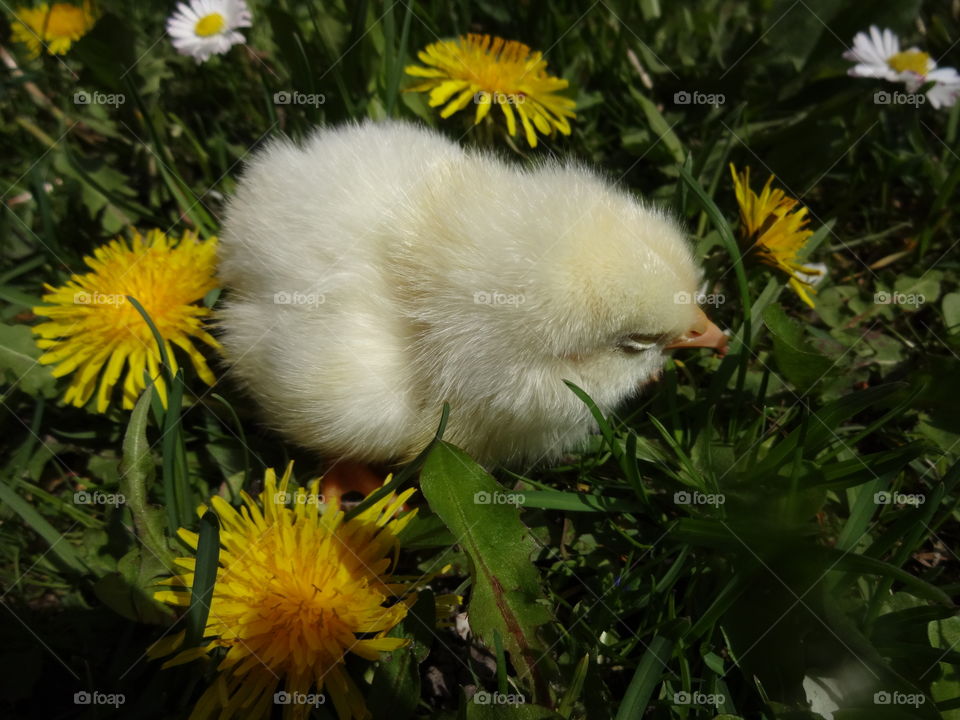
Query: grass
748, 532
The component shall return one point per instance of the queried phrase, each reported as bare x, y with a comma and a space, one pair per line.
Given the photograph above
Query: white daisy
873, 53
946, 90
878, 55
202, 28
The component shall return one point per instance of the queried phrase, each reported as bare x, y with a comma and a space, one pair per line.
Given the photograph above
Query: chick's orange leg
348, 476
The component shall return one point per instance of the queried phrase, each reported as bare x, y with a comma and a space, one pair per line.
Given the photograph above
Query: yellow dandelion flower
53, 28
775, 226
93, 328
296, 590
492, 71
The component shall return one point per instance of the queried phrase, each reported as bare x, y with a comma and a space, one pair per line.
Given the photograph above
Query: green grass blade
205, 577
646, 678
61, 549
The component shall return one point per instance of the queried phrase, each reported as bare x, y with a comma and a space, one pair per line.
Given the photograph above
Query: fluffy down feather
379, 270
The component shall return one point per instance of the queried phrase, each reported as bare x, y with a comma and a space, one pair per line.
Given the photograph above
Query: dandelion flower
776, 229
296, 590
492, 71
202, 28
878, 55
93, 331
53, 28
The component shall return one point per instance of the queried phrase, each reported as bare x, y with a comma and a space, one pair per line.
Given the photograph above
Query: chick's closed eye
639, 342
414, 273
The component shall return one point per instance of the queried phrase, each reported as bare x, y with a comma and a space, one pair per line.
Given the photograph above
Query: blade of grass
59, 547
645, 679
572, 694
204, 579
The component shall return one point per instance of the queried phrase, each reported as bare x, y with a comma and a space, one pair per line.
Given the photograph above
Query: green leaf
506, 584
912, 293
137, 475
951, 312
794, 354
126, 591
395, 690
18, 363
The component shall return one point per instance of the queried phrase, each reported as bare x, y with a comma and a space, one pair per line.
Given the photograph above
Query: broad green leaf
951, 311
912, 293
795, 356
125, 591
506, 585
18, 363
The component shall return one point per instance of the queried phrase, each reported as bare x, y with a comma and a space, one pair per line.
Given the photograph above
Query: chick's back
311, 324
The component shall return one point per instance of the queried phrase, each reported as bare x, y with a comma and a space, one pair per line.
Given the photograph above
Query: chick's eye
638, 342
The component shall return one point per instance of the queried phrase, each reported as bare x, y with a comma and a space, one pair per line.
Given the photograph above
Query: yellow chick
380, 270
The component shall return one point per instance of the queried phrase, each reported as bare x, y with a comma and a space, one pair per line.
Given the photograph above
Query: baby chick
380, 270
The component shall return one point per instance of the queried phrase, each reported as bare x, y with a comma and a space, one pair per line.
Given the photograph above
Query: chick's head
578, 281
612, 285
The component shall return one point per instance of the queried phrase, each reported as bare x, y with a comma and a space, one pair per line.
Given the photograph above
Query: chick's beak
703, 333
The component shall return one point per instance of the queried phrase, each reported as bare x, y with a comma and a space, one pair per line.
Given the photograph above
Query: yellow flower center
209, 25
910, 60
65, 21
